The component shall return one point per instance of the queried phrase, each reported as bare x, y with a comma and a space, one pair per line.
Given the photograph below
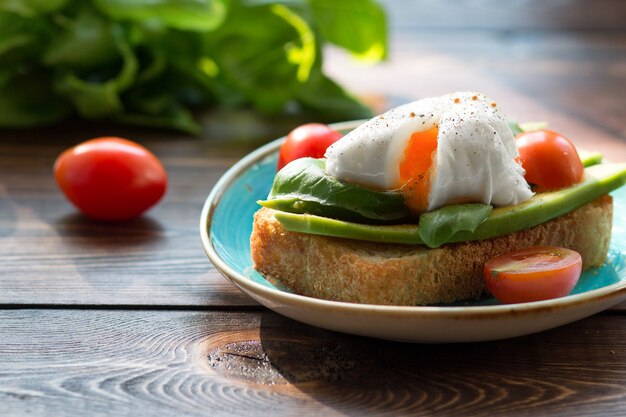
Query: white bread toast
378, 273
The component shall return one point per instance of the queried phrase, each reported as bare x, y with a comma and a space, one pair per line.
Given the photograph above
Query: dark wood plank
620, 308
529, 56
563, 62
582, 76
50, 254
71, 362
580, 92
493, 15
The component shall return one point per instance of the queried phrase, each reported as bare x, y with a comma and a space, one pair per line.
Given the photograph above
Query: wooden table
100, 319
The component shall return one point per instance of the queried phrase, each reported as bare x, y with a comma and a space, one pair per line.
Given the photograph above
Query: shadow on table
362, 375
9, 219
110, 235
111, 258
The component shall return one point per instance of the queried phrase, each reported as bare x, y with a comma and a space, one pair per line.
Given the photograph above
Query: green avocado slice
599, 180
589, 158
303, 186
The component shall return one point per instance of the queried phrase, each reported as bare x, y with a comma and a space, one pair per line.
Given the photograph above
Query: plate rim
615, 290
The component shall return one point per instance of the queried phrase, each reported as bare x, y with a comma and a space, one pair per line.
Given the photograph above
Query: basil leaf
98, 99
107, 59
84, 42
357, 25
267, 66
438, 226
26, 101
323, 96
303, 187
32, 8
198, 15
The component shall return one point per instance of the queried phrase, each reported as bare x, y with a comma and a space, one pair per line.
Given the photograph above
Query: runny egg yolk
415, 169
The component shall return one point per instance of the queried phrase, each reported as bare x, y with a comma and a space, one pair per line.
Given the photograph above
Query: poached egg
457, 148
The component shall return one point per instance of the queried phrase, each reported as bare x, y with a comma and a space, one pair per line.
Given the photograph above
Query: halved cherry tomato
309, 140
550, 159
110, 178
533, 274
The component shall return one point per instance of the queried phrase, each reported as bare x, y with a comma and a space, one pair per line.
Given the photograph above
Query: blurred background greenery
250, 70
153, 62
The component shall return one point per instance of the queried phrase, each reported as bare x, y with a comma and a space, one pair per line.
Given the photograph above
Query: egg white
474, 160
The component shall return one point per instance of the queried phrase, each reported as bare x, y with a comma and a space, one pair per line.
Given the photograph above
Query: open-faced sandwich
410, 207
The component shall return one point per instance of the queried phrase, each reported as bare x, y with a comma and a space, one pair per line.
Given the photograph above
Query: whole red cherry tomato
533, 274
110, 178
309, 140
550, 159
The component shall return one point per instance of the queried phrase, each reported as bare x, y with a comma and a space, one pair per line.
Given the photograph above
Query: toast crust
394, 274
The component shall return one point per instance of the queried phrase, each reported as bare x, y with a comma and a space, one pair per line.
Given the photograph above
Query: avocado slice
589, 158
304, 187
599, 180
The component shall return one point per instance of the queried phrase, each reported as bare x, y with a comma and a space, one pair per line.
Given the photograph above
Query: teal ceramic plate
226, 224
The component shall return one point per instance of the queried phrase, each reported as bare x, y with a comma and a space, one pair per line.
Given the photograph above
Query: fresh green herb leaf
197, 15
323, 96
100, 58
84, 42
303, 187
599, 180
27, 101
98, 99
438, 226
356, 25
32, 8
589, 158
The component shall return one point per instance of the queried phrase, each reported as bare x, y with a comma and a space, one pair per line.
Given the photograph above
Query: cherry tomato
309, 140
533, 274
110, 178
550, 159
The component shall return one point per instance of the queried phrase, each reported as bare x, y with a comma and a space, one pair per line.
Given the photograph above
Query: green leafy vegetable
323, 226
150, 62
363, 37
99, 99
518, 128
303, 187
589, 158
199, 15
599, 180
26, 101
438, 226
31, 8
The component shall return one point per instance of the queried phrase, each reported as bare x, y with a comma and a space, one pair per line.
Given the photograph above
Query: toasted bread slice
378, 273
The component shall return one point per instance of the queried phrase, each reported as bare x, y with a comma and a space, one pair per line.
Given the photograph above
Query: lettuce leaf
200, 15
151, 62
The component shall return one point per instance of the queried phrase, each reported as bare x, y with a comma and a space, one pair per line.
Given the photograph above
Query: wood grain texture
64, 362
564, 62
520, 15
50, 254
